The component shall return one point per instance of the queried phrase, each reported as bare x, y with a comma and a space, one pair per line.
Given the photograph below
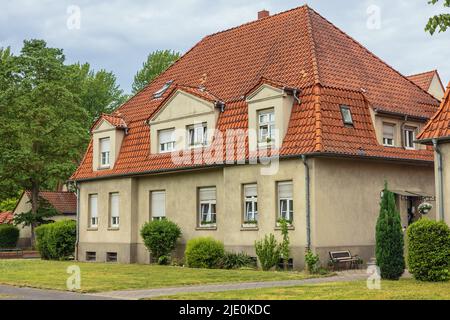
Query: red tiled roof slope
423, 79
6, 217
439, 125
116, 120
297, 49
63, 202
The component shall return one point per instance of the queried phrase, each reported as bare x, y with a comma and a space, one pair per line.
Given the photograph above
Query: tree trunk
34, 209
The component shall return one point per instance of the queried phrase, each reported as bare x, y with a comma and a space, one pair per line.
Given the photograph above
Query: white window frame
250, 203
386, 141
197, 135
288, 213
211, 204
267, 124
105, 160
154, 214
93, 218
166, 146
409, 141
114, 213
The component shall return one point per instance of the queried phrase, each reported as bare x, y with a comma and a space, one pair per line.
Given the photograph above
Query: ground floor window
285, 201
207, 207
250, 203
111, 257
91, 256
158, 205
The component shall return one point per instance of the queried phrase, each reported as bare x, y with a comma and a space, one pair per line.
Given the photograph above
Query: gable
182, 105
265, 92
104, 125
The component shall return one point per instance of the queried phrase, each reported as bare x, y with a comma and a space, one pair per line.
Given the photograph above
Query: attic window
160, 92
347, 115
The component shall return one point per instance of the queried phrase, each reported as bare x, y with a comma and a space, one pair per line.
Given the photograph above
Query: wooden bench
341, 259
11, 253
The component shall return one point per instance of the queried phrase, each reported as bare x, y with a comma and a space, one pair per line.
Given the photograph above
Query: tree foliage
43, 214
157, 62
389, 239
439, 22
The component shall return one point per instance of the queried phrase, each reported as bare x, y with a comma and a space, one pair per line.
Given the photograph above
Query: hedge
56, 241
204, 253
429, 250
9, 235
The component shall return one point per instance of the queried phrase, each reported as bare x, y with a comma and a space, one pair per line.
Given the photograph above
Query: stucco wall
399, 138
445, 150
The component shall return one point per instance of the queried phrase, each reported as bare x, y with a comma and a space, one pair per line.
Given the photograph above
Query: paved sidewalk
21, 293
151, 293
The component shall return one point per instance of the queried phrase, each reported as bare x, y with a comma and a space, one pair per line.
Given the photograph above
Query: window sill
207, 228
104, 168
92, 229
249, 228
290, 228
113, 229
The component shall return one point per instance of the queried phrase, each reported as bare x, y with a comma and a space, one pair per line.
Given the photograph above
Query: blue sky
117, 35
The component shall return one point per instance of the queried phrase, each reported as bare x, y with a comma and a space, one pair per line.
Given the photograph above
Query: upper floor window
388, 135
266, 126
197, 135
285, 201
250, 203
410, 136
93, 211
105, 150
207, 201
158, 205
114, 209
166, 140
346, 115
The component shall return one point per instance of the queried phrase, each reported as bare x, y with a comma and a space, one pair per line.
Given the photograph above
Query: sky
117, 35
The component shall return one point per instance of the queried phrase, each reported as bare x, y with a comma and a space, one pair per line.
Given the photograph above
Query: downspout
308, 202
78, 222
437, 149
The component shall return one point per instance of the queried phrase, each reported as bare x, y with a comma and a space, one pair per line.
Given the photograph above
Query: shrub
268, 252
9, 235
232, 260
56, 241
429, 250
312, 262
204, 253
285, 250
160, 238
389, 239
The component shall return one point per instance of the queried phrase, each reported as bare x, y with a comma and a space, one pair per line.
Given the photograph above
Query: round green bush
9, 235
204, 253
56, 241
160, 237
429, 250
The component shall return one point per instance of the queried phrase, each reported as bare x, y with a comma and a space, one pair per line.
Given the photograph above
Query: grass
98, 277
405, 289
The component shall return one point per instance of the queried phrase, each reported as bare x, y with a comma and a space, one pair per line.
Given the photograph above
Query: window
410, 136
114, 209
158, 205
250, 203
160, 92
105, 147
93, 211
111, 257
266, 126
285, 201
346, 115
207, 200
166, 140
91, 256
197, 135
388, 135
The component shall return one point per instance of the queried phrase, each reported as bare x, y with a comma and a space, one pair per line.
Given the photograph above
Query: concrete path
151, 293
18, 293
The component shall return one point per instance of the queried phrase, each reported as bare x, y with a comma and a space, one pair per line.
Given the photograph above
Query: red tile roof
6, 217
63, 202
116, 120
297, 49
424, 79
439, 125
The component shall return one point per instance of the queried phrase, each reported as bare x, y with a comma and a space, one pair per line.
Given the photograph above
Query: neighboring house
437, 134
430, 82
6, 217
65, 203
290, 87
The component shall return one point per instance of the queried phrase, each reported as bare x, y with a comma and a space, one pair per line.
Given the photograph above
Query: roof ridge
422, 73
312, 43
370, 52
318, 118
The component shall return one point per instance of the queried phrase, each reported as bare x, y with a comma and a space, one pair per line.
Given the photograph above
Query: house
65, 203
283, 117
430, 82
6, 217
437, 134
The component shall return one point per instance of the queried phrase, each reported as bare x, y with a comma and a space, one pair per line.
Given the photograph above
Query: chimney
263, 14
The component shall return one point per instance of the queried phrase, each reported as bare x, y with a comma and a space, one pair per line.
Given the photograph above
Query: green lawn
405, 289
97, 277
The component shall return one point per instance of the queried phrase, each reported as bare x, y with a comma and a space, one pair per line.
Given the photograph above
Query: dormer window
160, 92
410, 136
105, 149
266, 126
197, 135
347, 115
388, 135
166, 140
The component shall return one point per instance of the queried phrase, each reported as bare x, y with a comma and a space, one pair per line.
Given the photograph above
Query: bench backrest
340, 255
